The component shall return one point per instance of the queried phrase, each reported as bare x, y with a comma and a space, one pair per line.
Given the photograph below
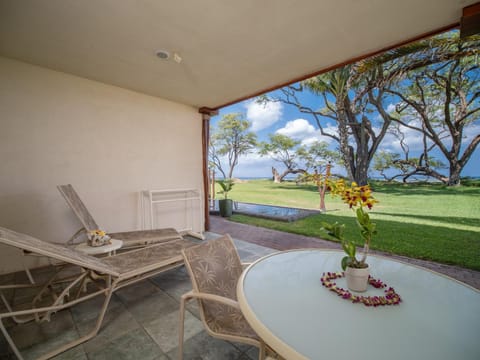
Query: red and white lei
390, 298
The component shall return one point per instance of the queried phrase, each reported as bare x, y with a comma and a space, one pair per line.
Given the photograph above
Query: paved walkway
284, 241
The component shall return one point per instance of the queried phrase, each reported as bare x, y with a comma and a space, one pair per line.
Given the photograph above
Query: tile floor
141, 323
142, 319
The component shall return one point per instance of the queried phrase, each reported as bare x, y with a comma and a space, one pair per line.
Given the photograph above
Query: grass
424, 221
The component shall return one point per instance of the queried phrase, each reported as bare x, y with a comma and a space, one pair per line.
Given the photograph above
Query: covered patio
142, 320
116, 98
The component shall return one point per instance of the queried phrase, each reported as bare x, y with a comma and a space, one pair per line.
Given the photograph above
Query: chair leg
183, 299
27, 270
261, 351
91, 334
10, 341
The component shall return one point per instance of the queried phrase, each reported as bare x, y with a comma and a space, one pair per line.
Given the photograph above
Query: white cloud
250, 165
254, 165
412, 138
251, 158
263, 115
297, 129
391, 108
470, 132
301, 129
330, 129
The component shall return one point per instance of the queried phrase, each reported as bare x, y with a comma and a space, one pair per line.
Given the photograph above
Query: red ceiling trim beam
470, 22
207, 113
347, 62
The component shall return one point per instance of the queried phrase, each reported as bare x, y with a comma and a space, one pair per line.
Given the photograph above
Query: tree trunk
276, 176
345, 149
322, 189
361, 172
454, 176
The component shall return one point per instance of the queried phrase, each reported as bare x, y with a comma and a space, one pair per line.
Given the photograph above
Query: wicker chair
214, 268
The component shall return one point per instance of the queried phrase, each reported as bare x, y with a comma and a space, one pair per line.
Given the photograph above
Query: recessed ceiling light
162, 54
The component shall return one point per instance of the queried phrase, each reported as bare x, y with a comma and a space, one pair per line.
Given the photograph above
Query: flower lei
390, 298
97, 232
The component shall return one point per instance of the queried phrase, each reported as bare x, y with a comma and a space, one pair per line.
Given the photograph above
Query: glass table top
283, 299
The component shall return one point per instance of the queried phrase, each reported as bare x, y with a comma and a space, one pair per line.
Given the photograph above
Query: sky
276, 117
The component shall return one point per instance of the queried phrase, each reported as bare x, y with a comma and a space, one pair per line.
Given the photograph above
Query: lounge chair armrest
211, 297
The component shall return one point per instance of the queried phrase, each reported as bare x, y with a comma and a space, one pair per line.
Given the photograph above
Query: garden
420, 220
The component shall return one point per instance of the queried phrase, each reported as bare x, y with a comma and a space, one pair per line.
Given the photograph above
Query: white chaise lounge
104, 276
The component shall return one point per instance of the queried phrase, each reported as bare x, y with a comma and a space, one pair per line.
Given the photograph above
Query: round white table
284, 301
98, 250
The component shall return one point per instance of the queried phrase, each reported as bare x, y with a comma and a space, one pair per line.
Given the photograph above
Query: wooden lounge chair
130, 238
107, 274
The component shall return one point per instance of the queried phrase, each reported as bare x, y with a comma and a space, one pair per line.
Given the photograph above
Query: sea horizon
293, 177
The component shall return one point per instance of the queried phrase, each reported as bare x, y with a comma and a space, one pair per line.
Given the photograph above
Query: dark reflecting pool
268, 211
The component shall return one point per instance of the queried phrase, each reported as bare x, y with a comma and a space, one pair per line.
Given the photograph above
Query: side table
97, 250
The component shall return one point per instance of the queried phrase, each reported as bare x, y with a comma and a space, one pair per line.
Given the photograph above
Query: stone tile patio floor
141, 323
142, 319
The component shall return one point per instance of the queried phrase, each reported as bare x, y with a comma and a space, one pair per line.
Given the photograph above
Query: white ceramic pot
357, 279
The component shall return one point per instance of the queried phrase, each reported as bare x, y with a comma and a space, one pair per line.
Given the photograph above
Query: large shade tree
434, 80
344, 97
229, 141
355, 109
438, 87
295, 157
282, 149
318, 155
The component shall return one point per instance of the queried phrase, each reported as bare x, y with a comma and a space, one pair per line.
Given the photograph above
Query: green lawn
430, 222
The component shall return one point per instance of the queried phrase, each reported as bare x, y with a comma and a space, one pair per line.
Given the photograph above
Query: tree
349, 102
437, 84
407, 166
429, 77
231, 139
214, 158
318, 155
444, 98
296, 158
283, 149
321, 179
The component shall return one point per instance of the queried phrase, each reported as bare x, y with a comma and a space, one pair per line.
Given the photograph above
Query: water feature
268, 211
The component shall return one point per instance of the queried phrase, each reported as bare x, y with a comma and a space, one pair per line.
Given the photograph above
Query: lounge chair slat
122, 270
146, 237
136, 262
55, 251
129, 238
78, 207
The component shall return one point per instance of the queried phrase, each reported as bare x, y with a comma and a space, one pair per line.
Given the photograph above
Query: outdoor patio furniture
130, 238
104, 276
214, 268
283, 299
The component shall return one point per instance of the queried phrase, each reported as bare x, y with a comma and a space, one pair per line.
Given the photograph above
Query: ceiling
230, 49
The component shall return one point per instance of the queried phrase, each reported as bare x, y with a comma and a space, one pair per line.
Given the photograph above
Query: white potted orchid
359, 198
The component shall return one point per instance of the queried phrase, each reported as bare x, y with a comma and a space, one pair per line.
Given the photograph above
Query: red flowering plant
359, 199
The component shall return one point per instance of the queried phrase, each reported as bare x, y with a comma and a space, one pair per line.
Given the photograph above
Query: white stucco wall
108, 142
